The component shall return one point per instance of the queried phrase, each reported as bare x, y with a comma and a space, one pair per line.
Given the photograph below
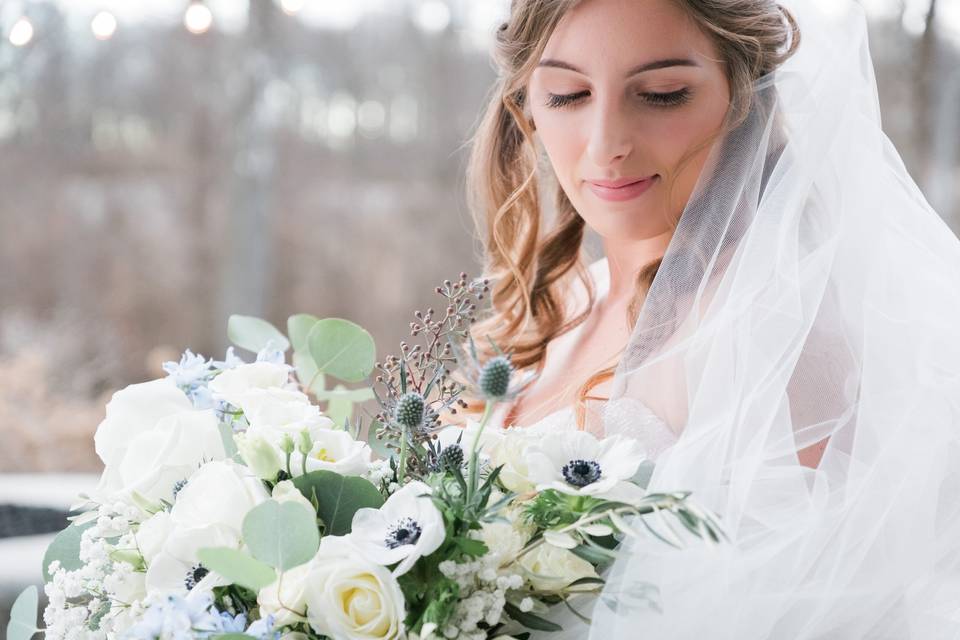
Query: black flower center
580, 473
405, 531
196, 573
180, 484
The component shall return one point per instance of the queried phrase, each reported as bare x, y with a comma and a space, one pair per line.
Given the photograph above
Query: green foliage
23, 615
65, 548
552, 509
340, 401
254, 334
530, 620
281, 534
342, 349
337, 498
237, 567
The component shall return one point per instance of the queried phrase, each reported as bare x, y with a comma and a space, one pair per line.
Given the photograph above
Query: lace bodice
625, 416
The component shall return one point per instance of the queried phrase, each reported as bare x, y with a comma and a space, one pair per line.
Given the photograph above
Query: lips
616, 184
621, 189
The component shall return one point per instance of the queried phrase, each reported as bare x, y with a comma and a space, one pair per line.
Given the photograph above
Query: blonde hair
526, 262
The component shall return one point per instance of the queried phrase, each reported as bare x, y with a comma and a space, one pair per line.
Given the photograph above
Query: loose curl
528, 264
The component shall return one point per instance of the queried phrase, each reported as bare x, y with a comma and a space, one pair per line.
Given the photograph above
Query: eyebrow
647, 66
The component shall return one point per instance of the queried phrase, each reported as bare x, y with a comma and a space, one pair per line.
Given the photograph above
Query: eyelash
665, 100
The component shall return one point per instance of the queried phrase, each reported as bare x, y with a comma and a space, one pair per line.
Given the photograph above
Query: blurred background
165, 163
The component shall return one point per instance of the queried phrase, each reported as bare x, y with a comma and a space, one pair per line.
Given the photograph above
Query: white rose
162, 444
152, 534
208, 512
232, 385
286, 597
551, 568
509, 451
334, 450
349, 597
133, 410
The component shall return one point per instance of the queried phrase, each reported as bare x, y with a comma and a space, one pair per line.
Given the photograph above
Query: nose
610, 139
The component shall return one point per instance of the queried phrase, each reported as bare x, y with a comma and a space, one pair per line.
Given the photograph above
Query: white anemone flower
407, 527
576, 463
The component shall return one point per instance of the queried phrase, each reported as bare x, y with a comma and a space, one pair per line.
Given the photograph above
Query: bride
775, 318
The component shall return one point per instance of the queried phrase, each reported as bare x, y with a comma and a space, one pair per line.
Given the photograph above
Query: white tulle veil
809, 294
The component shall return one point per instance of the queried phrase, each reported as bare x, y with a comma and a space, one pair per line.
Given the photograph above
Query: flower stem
402, 470
472, 466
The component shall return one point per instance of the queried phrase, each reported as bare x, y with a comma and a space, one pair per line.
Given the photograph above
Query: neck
625, 259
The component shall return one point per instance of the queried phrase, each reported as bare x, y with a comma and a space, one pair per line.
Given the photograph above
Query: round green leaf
254, 334
237, 567
338, 497
23, 615
281, 534
342, 349
298, 328
307, 372
65, 548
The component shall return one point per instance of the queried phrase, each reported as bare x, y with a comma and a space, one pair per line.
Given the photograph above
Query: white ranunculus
208, 512
334, 450
576, 463
503, 539
549, 568
285, 491
232, 385
351, 598
286, 597
407, 527
162, 445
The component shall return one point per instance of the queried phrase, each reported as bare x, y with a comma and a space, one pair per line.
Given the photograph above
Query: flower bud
259, 456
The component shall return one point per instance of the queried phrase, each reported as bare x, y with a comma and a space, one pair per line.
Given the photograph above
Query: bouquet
231, 506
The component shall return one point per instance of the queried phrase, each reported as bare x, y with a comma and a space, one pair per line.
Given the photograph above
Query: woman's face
624, 90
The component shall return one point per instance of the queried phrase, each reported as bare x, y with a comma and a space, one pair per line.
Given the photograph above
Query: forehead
617, 34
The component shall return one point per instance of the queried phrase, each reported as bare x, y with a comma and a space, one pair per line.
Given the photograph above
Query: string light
103, 25
198, 18
290, 7
21, 33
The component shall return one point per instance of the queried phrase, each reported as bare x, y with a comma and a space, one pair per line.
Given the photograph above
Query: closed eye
669, 99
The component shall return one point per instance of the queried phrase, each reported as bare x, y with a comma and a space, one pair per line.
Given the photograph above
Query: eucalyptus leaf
530, 620
298, 328
23, 615
307, 372
229, 444
254, 334
65, 548
282, 534
340, 402
378, 446
342, 349
338, 498
237, 567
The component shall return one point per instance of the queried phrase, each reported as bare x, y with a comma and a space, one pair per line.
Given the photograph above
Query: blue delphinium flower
263, 629
191, 375
272, 353
174, 617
